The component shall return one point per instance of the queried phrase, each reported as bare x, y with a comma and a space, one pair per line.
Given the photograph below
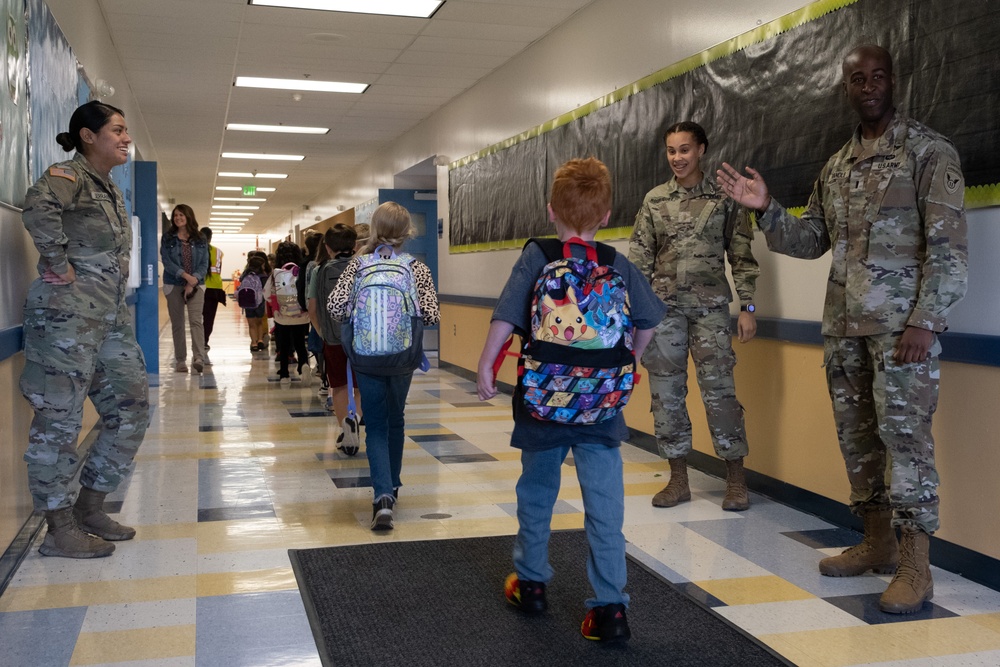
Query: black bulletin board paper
771, 99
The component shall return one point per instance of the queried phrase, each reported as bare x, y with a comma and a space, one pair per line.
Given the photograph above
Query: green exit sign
249, 190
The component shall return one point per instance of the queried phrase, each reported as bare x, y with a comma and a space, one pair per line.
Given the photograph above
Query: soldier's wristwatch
748, 308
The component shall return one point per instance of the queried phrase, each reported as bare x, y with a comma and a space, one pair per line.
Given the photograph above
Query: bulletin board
771, 98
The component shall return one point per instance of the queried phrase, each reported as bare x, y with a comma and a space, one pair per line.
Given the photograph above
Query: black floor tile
866, 608
826, 538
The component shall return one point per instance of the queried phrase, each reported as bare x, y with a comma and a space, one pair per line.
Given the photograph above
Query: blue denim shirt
173, 267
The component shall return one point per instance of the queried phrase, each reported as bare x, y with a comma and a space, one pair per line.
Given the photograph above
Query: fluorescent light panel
308, 85
247, 174
236, 208
238, 188
239, 199
289, 129
264, 156
416, 8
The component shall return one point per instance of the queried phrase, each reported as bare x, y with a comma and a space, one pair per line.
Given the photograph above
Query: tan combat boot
878, 551
64, 538
737, 499
912, 585
677, 490
90, 515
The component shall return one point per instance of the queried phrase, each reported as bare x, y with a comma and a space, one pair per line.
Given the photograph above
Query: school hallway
235, 470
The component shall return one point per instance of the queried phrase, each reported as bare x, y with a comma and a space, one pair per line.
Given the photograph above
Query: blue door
422, 205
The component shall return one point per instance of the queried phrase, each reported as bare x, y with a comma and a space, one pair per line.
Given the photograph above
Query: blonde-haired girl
384, 396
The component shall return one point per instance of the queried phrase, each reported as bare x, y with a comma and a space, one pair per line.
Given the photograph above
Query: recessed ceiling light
247, 174
236, 208
239, 199
415, 8
264, 156
289, 129
238, 220
301, 84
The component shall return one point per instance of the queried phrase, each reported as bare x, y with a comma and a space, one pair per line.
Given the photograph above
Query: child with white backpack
384, 298
291, 321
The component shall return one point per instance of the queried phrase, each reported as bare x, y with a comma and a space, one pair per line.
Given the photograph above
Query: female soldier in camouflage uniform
682, 236
78, 337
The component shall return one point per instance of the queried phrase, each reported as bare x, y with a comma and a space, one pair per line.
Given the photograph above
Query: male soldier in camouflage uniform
680, 240
890, 205
79, 340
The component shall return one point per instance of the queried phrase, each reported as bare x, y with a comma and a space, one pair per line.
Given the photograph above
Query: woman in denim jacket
184, 253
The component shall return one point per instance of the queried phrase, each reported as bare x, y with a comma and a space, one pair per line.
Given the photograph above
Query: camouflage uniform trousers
883, 413
705, 332
69, 358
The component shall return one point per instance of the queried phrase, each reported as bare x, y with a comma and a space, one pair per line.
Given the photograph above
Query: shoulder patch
952, 178
63, 172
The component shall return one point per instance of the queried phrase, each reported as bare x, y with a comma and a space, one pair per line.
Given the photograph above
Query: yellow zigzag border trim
981, 196
767, 31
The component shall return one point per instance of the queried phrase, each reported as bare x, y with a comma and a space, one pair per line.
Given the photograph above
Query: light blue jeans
384, 398
599, 470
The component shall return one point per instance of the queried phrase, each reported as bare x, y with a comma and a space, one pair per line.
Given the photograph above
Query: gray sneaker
180, 367
382, 513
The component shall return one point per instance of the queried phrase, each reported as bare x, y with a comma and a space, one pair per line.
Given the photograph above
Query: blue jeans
599, 470
384, 398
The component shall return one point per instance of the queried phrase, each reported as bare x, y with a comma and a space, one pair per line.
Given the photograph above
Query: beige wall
15, 502
790, 423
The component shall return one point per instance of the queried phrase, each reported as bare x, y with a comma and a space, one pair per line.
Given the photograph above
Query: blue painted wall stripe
957, 347
11, 341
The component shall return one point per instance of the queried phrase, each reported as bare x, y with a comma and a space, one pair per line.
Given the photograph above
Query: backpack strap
551, 248
554, 249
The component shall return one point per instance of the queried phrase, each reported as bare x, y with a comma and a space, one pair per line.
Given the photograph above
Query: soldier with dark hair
890, 206
79, 340
682, 236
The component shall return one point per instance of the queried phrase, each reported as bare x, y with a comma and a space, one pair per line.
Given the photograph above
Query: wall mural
54, 81
13, 104
770, 98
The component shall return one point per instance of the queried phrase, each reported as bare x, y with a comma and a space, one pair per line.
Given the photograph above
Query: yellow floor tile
991, 621
229, 583
753, 590
59, 596
839, 647
95, 648
223, 536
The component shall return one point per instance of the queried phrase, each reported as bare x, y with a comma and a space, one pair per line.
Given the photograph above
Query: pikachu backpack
577, 364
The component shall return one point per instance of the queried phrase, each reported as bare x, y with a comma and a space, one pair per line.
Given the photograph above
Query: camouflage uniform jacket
76, 216
680, 241
894, 216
